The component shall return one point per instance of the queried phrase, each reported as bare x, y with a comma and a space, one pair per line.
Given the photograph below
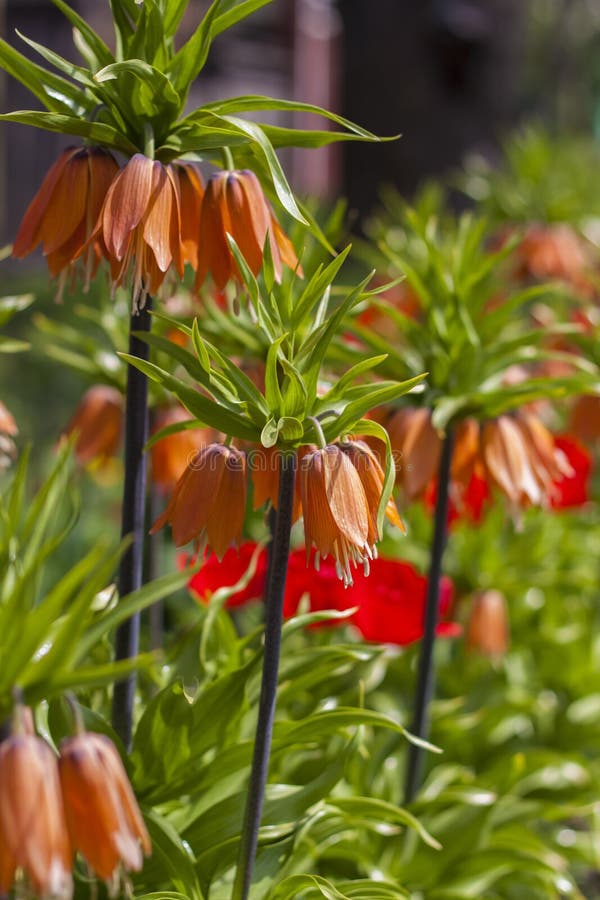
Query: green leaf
282, 188
188, 62
57, 94
208, 412
95, 132
173, 14
236, 13
253, 102
171, 854
380, 394
368, 426
153, 94
98, 53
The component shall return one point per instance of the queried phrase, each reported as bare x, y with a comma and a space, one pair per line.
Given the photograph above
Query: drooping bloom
8, 430
97, 422
335, 509
585, 418
521, 459
416, 446
191, 192
139, 226
234, 204
487, 628
33, 834
372, 478
172, 453
103, 819
63, 213
514, 453
209, 500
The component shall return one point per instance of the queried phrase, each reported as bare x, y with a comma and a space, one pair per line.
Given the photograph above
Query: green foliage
295, 323
471, 323
542, 178
48, 631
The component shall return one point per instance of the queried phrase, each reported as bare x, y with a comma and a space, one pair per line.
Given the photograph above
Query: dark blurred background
453, 76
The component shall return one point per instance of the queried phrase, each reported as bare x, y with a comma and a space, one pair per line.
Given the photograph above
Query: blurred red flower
392, 603
572, 489
214, 575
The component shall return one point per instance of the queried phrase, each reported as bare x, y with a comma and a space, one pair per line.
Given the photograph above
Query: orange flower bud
98, 422
33, 835
487, 630
103, 819
209, 500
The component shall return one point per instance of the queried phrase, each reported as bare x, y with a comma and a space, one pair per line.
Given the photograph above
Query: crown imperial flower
63, 213
139, 226
209, 500
336, 510
33, 835
97, 423
234, 204
102, 815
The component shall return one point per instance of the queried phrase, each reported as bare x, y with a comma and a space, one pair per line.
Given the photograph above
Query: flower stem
280, 549
132, 519
426, 671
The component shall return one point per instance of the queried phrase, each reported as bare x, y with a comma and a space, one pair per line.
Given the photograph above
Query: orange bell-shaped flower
416, 446
103, 819
97, 422
33, 834
63, 213
139, 226
487, 629
336, 510
191, 192
234, 204
265, 465
372, 478
209, 500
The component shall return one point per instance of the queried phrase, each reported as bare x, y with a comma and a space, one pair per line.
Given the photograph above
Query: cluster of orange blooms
146, 219
51, 808
514, 453
337, 491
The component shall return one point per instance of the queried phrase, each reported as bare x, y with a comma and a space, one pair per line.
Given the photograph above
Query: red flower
572, 489
392, 603
323, 586
214, 575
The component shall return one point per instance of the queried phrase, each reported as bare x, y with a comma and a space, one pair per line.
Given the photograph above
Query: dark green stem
426, 673
132, 519
280, 550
